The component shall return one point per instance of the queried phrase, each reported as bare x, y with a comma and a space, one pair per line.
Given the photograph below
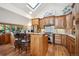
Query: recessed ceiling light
30, 12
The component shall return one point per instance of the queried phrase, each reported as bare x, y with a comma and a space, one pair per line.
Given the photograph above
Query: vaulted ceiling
35, 9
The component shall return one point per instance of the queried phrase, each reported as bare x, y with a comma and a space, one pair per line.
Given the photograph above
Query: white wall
10, 17
14, 9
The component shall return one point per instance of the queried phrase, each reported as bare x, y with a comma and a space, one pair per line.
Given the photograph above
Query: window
2, 28
13, 28
33, 6
7, 29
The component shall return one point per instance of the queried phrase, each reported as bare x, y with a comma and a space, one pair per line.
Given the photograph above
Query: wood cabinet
69, 21
42, 23
2, 39
63, 40
35, 21
58, 38
50, 20
75, 9
60, 22
47, 21
39, 44
5, 38
71, 45
77, 38
67, 41
36, 24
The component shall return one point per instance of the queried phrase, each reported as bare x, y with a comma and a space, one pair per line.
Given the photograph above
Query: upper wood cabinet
42, 23
60, 22
49, 20
35, 21
69, 21
75, 9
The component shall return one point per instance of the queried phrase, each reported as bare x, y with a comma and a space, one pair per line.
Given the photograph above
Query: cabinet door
1, 39
69, 21
7, 38
68, 43
57, 39
52, 20
72, 46
49, 20
32, 43
46, 21
42, 23
64, 40
75, 10
60, 22
35, 21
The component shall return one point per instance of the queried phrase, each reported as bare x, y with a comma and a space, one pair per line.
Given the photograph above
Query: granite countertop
36, 33
71, 35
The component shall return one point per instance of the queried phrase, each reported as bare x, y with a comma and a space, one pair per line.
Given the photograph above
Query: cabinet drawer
57, 38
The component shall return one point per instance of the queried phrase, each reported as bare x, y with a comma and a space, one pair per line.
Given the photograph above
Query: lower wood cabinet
2, 39
67, 41
63, 39
5, 38
58, 38
72, 48
71, 45
39, 44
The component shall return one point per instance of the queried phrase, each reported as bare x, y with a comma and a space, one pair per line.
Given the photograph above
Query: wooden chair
22, 42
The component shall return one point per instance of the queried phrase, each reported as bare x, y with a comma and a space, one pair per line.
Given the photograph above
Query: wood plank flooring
8, 50
53, 50
57, 50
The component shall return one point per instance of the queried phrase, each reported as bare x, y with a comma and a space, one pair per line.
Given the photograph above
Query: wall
10, 17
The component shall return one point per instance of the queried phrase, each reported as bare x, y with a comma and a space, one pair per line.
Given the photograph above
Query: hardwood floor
53, 50
8, 50
57, 50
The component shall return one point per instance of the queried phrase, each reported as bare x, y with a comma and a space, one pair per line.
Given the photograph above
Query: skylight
33, 5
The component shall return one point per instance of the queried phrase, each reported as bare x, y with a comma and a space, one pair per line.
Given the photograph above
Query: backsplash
60, 31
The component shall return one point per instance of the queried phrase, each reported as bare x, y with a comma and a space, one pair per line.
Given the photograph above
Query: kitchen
56, 29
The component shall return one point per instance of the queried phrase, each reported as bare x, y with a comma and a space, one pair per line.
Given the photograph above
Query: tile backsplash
60, 31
